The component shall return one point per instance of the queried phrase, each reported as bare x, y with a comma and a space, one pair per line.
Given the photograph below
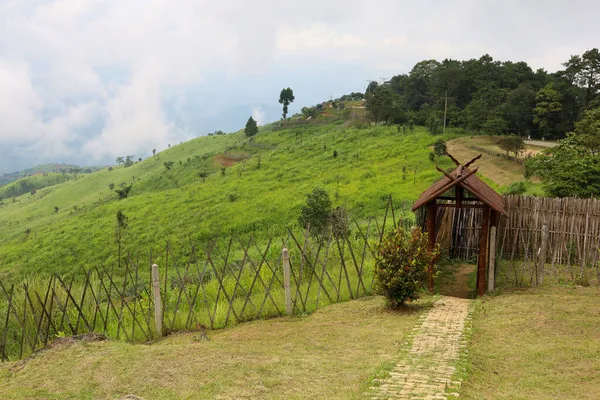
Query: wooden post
543, 251
483, 241
431, 217
158, 317
286, 282
492, 266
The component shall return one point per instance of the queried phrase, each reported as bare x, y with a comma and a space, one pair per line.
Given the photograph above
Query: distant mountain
5, 179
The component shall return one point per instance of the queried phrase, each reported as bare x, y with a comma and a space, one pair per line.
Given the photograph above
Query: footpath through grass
536, 344
331, 354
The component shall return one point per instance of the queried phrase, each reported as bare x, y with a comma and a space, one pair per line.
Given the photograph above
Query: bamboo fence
229, 281
573, 227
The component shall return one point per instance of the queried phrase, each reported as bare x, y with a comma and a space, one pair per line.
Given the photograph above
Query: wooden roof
465, 178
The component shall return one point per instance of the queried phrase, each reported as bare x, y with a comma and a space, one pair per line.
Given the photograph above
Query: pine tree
251, 127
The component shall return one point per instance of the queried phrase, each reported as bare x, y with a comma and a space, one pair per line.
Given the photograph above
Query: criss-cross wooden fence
229, 281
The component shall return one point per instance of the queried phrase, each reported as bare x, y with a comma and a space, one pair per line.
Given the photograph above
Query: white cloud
258, 115
92, 77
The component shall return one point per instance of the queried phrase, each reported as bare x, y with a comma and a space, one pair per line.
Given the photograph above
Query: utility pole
445, 109
383, 80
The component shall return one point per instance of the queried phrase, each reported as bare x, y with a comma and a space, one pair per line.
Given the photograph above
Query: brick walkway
426, 370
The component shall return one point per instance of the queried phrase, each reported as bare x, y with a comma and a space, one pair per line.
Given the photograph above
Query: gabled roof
465, 178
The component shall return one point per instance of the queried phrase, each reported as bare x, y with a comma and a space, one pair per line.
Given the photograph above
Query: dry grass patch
498, 169
330, 354
536, 344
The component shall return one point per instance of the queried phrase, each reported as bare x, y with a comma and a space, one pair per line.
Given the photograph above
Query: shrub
123, 192
439, 147
517, 188
316, 213
402, 265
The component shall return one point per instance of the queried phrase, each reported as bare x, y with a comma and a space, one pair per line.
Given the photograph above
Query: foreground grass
330, 354
536, 344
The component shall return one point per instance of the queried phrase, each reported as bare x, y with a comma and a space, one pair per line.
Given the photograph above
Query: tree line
490, 96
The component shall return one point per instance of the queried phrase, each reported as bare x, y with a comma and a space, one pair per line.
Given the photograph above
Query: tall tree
384, 105
588, 130
286, 97
567, 170
584, 71
547, 110
251, 127
518, 109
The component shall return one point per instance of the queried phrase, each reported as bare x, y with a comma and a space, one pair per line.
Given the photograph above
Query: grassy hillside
216, 185
5, 179
32, 184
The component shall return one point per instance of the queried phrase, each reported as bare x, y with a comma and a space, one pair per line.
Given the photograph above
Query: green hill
6, 179
218, 184
32, 184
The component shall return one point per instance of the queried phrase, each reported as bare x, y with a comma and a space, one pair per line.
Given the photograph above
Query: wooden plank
481, 263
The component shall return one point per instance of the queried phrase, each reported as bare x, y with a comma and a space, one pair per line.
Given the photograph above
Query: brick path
426, 370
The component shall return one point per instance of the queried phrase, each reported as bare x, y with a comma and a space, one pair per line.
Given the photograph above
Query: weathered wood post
543, 250
158, 317
286, 282
431, 217
482, 261
492, 266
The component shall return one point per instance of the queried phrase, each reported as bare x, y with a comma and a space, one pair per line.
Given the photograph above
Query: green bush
402, 265
517, 188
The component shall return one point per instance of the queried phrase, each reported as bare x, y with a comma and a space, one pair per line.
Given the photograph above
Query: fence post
286, 282
543, 254
492, 266
157, 303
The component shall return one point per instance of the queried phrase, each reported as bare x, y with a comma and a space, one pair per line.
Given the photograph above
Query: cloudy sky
85, 81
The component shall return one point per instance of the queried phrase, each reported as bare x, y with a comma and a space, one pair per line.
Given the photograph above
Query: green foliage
121, 225
547, 110
439, 147
569, 169
168, 165
402, 265
251, 127
286, 97
128, 161
512, 144
385, 105
588, 130
433, 124
316, 213
123, 191
495, 126
516, 188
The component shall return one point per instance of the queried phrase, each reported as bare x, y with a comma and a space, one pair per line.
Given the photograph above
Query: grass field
536, 344
331, 354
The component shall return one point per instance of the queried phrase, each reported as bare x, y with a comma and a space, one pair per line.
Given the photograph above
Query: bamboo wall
573, 226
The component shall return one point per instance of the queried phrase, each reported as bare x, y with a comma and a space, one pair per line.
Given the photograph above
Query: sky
86, 81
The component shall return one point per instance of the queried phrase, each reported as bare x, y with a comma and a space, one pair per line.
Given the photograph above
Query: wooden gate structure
462, 188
